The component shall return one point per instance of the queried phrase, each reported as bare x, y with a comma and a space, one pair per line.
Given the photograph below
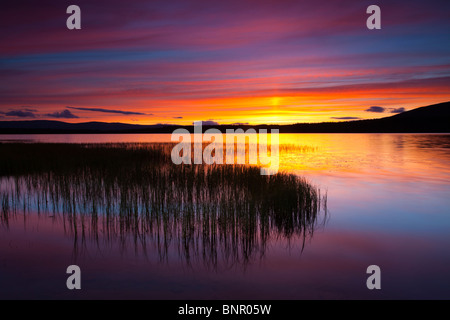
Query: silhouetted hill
50, 126
433, 119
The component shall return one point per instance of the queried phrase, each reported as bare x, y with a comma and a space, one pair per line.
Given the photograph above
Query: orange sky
234, 62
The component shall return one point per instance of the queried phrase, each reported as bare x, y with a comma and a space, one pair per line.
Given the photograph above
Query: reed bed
217, 214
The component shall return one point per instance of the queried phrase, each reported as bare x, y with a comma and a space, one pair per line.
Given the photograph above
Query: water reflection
133, 196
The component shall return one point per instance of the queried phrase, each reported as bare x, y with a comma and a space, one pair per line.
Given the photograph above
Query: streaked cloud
20, 114
376, 109
345, 118
65, 114
381, 109
28, 109
397, 110
111, 111
209, 123
227, 60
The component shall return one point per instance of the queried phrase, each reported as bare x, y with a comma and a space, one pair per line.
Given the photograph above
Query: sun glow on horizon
277, 64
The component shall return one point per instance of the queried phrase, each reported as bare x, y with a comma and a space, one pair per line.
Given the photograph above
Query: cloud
177, 117
381, 110
20, 114
346, 118
376, 109
66, 114
240, 124
218, 65
26, 109
112, 111
210, 123
397, 110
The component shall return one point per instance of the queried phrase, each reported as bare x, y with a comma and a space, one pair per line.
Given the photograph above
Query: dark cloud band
111, 111
66, 114
345, 118
376, 109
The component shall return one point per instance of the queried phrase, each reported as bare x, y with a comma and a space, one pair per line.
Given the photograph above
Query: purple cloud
20, 114
66, 114
397, 110
111, 111
210, 123
240, 124
376, 109
27, 109
346, 118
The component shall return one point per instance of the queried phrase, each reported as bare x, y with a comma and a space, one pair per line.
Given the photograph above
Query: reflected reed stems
214, 214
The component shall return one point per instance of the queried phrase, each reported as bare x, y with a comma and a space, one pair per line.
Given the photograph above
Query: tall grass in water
219, 214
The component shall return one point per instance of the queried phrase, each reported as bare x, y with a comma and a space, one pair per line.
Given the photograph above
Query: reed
218, 214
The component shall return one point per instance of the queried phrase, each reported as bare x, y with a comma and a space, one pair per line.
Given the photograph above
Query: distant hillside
433, 111
50, 126
432, 119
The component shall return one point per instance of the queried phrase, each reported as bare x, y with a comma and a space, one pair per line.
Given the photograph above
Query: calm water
388, 203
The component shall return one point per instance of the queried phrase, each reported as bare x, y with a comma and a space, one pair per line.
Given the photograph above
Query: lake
387, 204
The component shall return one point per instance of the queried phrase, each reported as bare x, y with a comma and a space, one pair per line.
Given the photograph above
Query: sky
234, 61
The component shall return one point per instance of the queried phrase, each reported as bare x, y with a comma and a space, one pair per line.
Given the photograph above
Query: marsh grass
216, 214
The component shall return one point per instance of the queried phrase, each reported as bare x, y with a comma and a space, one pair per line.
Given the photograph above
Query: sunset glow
235, 62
